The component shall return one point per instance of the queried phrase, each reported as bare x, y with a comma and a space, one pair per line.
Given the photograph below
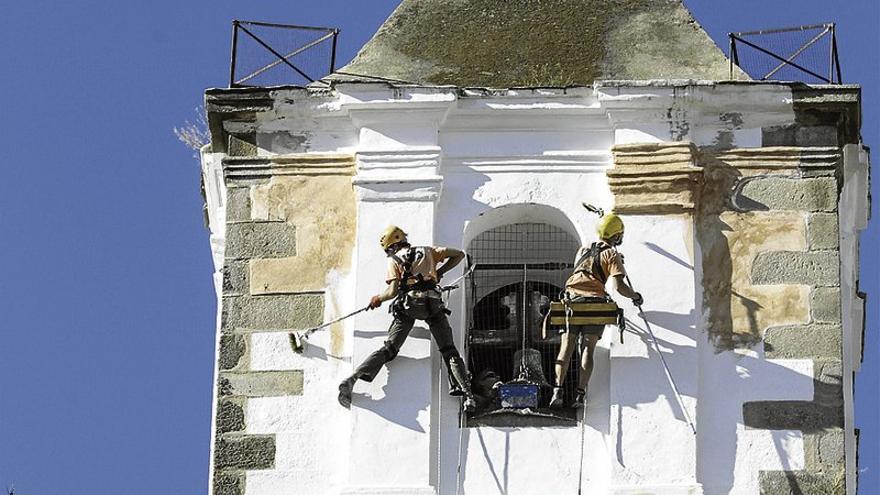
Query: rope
583, 418
684, 411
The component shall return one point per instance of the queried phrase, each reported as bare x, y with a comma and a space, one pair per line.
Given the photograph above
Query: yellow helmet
609, 226
391, 236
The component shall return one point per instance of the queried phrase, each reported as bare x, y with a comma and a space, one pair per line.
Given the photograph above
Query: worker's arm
625, 290
390, 292
452, 259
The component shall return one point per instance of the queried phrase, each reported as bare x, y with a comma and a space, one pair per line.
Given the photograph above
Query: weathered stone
235, 278
822, 231
825, 304
791, 415
230, 416
817, 341
816, 136
228, 483
797, 267
245, 452
782, 193
272, 312
244, 145
260, 240
232, 348
224, 387
802, 483
238, 204
828, 382
265, 383
831, 448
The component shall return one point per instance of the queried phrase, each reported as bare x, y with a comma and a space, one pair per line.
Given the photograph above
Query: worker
412, 277
594, 266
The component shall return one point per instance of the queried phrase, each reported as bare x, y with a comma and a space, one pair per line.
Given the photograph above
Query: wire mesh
521, 267
804, 54
273, 54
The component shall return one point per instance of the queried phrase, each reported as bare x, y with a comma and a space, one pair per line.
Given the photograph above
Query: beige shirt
583, 283
424, 263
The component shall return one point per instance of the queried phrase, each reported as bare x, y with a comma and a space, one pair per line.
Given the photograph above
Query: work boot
556, 400
459, 374
345, 391
580, 400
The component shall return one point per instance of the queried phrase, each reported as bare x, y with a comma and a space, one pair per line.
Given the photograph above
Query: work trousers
399, 331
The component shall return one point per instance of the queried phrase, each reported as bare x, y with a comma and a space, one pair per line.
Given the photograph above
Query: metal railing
788, 53
268, 54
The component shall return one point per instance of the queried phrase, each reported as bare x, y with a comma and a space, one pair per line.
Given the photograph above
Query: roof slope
505, 43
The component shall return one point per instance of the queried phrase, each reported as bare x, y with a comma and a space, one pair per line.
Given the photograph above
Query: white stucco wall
446, 165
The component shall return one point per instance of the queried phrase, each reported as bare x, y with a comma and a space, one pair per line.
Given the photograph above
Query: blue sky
106, 299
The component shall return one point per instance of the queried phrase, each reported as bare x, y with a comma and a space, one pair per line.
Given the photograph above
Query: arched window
520, 268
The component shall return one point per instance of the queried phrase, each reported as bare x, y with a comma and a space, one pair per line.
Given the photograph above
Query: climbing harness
297, 339
684, 411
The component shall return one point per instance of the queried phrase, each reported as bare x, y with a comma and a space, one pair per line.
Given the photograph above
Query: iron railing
798, 53
269, 54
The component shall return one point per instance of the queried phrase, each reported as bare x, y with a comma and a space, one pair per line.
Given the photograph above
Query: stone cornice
299, 164
655, 178
796, 158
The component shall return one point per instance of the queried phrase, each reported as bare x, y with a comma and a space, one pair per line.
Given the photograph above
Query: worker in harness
594, 266
412, 277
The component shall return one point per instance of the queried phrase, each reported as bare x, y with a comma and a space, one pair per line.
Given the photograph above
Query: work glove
638, 300
375, 302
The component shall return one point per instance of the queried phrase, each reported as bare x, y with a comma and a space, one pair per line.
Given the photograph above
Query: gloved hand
638, 300
375, 302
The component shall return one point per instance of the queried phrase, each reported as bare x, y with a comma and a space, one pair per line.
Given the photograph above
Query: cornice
655, 178
299, 164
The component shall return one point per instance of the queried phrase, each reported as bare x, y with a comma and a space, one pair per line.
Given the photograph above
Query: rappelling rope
583, 418
669, 377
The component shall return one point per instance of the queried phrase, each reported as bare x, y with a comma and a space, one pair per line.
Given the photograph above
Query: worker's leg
459, 381
588, 347
368, 369
566, 347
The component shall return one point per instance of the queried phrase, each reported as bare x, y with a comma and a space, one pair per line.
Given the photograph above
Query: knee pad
390, 351
449, 352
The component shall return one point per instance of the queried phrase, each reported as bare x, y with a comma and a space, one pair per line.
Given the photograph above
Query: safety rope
669, 377
583, 417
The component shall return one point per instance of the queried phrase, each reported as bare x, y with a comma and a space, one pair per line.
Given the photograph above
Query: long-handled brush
297, 339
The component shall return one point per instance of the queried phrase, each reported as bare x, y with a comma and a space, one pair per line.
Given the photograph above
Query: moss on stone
503, 43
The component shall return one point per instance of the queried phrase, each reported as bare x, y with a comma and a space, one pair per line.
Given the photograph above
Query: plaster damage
749, 236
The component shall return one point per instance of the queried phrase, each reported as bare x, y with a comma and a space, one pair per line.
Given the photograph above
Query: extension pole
297, 339
684, 411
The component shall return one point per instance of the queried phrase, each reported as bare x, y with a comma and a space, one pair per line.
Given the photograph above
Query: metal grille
804, 53
520, 268
265, 54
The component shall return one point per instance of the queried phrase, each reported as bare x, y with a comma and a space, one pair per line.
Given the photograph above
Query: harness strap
594, 252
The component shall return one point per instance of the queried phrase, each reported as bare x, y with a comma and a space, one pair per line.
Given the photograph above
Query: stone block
797, 267
802, 483
242, 145
825, 304
831, 449
235, 278
245, 452
260, 240
822, 231
806, 416
232, 348
784, 193
272, 312
816, 341
238, 204
228, 483
265, 383
818, 135
828, 382
230, 415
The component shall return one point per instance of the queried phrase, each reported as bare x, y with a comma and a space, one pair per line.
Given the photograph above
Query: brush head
297, 342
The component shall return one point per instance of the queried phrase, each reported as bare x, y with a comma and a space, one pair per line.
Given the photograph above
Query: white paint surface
446, 166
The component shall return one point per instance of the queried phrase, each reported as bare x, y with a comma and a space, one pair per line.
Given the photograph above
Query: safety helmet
609, 226
391, 236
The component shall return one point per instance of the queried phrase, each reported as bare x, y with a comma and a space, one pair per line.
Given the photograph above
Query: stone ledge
806, 416
272, 312
816, 341
797, 267
262, 383
801, 483
297, 164
655, 178
260, 240
245, 452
